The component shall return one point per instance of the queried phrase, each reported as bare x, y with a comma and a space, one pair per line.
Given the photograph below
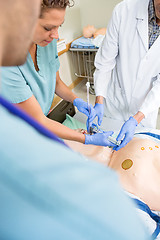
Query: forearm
62, 131
139, 116
32, 107
63, 91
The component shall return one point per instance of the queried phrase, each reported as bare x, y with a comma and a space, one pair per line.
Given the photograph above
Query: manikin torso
137, 164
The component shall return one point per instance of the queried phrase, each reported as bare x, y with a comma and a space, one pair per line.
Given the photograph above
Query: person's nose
54, 34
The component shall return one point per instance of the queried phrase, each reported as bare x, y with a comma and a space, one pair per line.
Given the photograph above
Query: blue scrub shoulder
19, 83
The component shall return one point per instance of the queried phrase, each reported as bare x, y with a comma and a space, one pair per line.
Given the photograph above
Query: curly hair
48, 4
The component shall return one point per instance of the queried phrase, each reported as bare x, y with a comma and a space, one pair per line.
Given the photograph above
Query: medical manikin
138, 168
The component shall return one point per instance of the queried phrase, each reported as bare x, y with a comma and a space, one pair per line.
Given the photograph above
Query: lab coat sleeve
152, 100
105, 59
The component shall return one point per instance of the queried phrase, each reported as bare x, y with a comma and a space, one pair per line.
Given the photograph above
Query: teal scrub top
49, 192
21, 82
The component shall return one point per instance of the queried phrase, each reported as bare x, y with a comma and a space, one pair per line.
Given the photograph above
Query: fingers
92, 114
100, 117
109, 133
120, 135
89, 112
85, 111
123, 144
87, 125
126, 140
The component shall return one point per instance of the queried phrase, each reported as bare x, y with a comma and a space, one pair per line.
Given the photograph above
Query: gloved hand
99, 110
83, 107
127, 131
100, 139
88, 125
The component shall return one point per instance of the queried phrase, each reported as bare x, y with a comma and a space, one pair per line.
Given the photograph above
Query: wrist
83, 138
80, 137
74, 100
139, 117
99, 99
87, 139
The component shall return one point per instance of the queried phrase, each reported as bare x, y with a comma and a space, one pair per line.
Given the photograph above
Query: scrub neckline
38, 60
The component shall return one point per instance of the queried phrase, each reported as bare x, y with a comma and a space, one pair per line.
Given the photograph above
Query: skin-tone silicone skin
140, 176
143, 177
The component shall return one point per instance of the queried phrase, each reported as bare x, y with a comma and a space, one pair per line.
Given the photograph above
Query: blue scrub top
21, 82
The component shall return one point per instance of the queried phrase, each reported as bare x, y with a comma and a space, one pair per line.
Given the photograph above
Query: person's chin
44, 43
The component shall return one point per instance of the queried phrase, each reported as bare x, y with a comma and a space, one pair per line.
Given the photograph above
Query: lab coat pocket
116, 94
115, 101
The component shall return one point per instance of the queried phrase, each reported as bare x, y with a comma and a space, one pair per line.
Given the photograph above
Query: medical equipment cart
83, 63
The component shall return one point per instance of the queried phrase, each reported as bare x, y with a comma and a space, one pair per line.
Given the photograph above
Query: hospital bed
83, 54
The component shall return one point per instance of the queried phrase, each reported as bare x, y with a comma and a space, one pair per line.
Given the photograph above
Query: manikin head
51, 18
89, 31
17, 24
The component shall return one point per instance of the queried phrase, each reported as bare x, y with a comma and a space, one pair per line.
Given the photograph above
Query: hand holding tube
82, 106
127, 131
100, 139
99, 110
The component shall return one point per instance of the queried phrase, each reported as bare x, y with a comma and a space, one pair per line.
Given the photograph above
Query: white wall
93, 12
96, 12
71, 28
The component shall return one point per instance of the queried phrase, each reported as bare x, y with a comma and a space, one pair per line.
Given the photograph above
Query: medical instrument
88, 86
96, 129
100, 139
114, 141
21, 114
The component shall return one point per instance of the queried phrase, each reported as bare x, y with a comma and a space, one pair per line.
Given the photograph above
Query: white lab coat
127, 72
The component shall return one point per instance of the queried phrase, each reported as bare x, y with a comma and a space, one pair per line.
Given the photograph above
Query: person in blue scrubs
46, 190
33, 85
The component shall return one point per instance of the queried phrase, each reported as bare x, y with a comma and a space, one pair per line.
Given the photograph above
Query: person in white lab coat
127, 76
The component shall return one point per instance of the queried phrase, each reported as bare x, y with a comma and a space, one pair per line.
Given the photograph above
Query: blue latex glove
99, 110
93, 125
100, 139
127, 131
82, 106
88, 125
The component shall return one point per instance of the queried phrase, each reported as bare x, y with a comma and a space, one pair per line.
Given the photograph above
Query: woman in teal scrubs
32, 86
